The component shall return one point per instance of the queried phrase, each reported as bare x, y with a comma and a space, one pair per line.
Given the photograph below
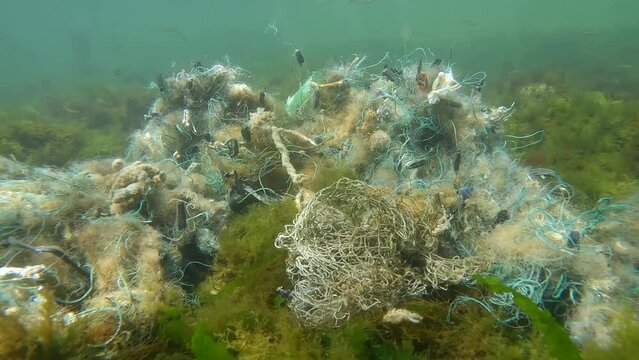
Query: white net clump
355, 247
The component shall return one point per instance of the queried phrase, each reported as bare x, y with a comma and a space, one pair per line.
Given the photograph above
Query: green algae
555, 336
173, 327
95, 121
590, 138
204, 347
331, 172
625, 339
240, 307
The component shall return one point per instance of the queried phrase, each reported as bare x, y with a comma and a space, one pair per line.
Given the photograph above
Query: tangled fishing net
438, 198
355, 247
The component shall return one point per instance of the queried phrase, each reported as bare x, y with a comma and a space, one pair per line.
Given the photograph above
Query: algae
590, 138
555, 336
205, 348
240, 310
240, 306
173, 328
625, 344
96, 120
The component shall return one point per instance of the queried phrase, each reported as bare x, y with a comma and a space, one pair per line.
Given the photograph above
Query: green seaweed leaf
554, 335
172, 326
204, 347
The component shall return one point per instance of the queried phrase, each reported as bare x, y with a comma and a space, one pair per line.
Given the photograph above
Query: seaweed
625, 341
179, 335
241, 307
589, 137
204, 347
331, 172
173, 328
555, 337
96, 120
241, 296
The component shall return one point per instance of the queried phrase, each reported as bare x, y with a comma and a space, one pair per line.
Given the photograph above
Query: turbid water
46, 46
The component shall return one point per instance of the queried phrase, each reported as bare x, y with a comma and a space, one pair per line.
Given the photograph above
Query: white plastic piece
396, 316
443, 85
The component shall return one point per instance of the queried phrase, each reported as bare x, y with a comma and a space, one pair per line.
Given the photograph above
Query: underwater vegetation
346, 223
94, 121
241, 308
625, 344
590, 138
241, 314
555, 337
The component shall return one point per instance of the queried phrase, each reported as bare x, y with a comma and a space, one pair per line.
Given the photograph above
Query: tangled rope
355, 247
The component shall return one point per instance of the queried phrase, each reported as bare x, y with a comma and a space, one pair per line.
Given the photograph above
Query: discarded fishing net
355, 247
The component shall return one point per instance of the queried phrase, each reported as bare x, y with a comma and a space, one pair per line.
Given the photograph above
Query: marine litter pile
99, 248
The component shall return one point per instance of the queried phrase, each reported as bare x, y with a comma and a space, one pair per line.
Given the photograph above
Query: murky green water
48, 45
